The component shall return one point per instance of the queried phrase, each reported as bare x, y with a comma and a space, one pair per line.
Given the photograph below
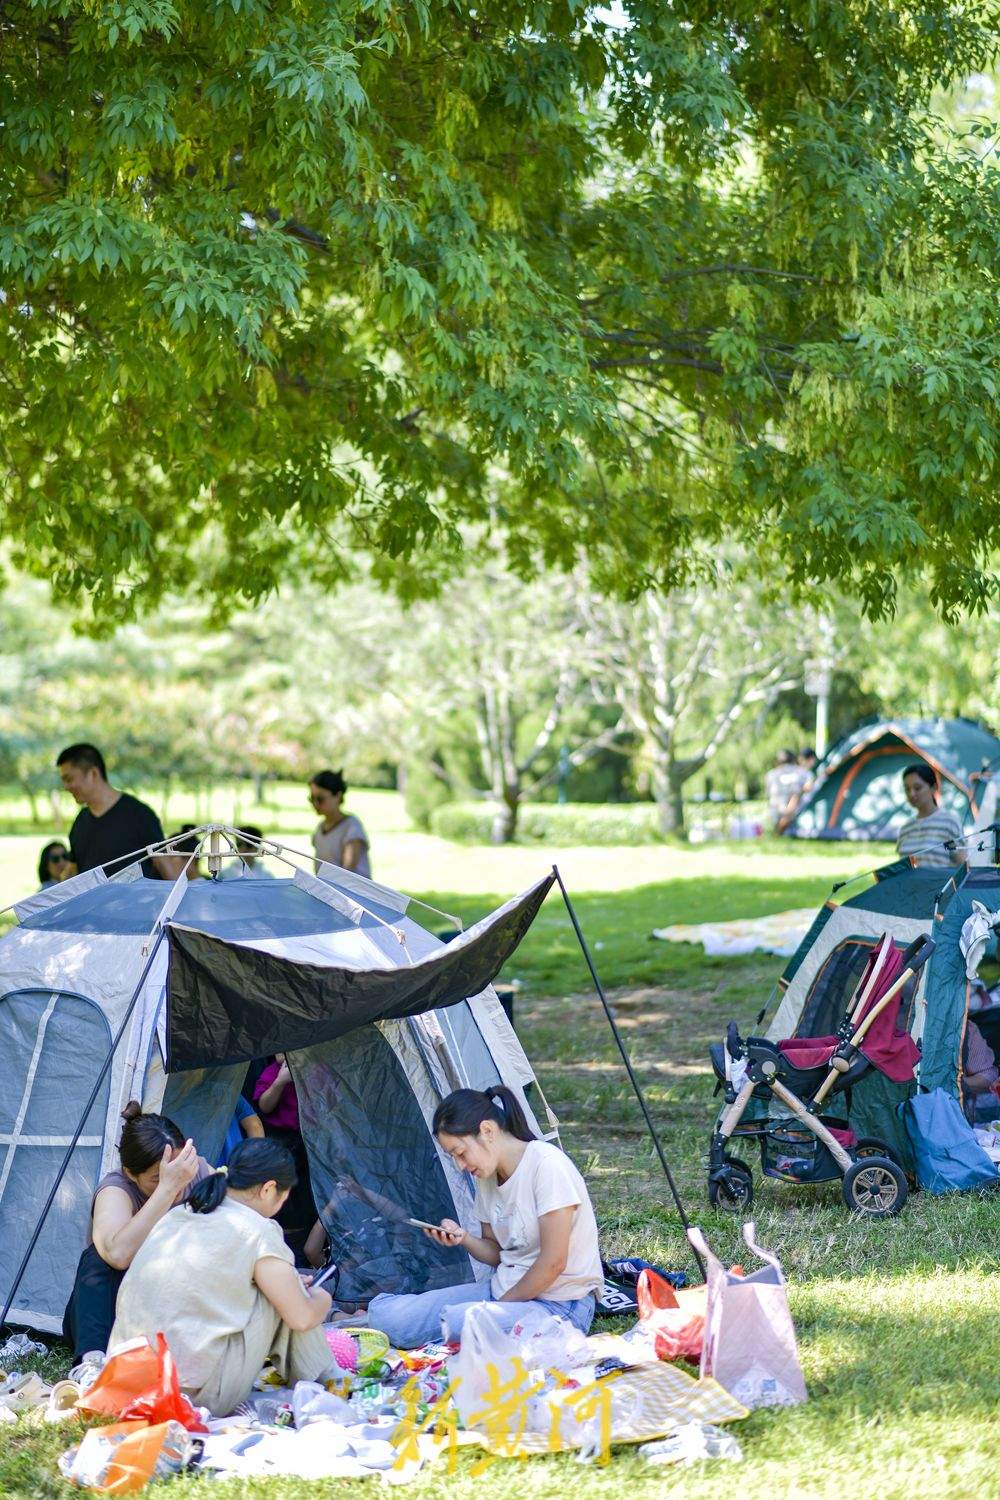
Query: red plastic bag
127, 1374
677, 1319
164, 1401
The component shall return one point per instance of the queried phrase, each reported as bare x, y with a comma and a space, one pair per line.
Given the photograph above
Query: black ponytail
251, 1164
464, 1111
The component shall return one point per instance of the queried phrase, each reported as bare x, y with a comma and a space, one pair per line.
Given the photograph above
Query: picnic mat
779, 933
634, 1406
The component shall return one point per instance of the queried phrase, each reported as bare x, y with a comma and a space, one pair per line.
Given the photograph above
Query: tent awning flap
227, 1003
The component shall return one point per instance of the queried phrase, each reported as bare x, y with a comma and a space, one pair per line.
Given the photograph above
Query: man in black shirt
110, 825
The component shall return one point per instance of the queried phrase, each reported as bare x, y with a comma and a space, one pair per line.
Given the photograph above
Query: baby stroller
801, 1142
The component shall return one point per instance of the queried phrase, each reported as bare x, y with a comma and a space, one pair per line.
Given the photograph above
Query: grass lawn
897, 1321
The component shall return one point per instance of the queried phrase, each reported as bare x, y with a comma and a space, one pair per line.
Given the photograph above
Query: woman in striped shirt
924, 837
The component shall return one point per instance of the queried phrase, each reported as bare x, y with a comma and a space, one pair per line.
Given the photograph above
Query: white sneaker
87, 1371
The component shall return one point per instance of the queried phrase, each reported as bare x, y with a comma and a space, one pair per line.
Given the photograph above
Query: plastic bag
676, 1320
749, 1345
690, 1443
492, 1359
130, 1371
544, 1341
122, 1459
313, 1403
164, 1401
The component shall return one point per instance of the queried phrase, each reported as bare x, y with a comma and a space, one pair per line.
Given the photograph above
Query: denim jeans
411, 1319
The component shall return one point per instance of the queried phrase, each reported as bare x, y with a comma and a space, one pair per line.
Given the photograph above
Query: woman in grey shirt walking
339, 838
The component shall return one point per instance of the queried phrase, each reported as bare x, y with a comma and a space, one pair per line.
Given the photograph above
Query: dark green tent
858, 793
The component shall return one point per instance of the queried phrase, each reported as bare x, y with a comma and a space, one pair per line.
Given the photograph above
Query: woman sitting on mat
538, 1226
219, 1281
158, 1169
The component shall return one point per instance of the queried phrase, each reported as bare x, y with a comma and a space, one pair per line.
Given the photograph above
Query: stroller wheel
869, 1146
874, 1187
731, 1187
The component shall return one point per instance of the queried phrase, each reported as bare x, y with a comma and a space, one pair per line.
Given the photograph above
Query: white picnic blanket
781, 932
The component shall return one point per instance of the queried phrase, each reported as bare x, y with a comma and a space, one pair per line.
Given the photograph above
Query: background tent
858, 792
69, 970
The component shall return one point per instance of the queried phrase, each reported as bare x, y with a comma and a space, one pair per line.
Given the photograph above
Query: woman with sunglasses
53, 864
339, 838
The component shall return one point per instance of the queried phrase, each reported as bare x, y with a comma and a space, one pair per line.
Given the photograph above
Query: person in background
339, 838
979, 1076
217, 1279
247, 845
807, 761
538, 1227
278, 1105
53, 864
158, 1169
923, 837
245, 1123
111, 825
783, 786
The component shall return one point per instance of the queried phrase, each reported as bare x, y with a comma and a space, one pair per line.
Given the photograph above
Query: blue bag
948, 1156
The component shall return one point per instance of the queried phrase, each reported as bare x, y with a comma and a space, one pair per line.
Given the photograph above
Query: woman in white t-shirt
217, 1278
339, 837
538, 1228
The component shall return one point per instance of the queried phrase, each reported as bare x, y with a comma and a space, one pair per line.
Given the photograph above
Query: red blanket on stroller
893, 1052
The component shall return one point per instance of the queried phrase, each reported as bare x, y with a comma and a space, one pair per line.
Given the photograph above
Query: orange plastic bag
123, 1458
128, 1373
677, 1319
138, 1454
163, 1400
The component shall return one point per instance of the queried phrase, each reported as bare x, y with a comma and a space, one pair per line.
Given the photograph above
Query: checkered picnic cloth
647, 1401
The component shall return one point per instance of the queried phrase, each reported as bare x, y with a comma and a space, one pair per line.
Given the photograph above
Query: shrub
548, 823
423, 794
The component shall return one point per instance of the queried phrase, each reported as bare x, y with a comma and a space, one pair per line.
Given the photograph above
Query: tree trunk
505, 822
29, 792
668, 795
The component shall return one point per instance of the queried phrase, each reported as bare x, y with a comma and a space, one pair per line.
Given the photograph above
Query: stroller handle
918, 953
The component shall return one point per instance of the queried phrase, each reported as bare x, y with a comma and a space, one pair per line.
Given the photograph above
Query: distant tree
689, 669
510, 659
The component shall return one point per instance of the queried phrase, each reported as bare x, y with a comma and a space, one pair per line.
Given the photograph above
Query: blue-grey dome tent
820, 977
858, 791
163, 992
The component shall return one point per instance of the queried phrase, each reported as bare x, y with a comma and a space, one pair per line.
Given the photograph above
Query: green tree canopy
289, 279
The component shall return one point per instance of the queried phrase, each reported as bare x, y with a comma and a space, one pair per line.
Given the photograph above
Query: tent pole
64, 1164
636, 1085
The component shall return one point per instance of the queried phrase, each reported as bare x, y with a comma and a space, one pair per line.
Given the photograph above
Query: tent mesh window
53, 1045
827, 1001
373, 1164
